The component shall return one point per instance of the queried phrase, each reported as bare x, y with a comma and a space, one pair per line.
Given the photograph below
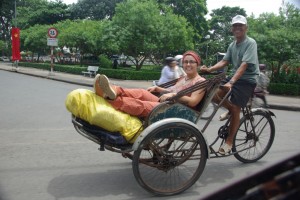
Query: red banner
15, 44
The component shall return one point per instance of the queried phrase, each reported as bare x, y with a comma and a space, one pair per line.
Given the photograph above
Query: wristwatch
231, 82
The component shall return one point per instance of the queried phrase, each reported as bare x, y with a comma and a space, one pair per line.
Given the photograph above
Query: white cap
239, 19
178, 57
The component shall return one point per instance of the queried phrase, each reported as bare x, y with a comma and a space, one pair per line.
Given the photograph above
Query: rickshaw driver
242, 53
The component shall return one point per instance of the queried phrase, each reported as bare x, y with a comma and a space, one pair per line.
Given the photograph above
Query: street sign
52, 42
52, 32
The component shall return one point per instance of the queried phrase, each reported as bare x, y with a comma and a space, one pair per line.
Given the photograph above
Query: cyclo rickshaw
170, 154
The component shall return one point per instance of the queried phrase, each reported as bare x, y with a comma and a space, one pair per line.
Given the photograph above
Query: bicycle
170, 154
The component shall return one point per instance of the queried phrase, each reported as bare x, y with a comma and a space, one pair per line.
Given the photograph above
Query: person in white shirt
169, 72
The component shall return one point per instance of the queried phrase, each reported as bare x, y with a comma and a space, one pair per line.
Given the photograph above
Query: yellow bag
94, 109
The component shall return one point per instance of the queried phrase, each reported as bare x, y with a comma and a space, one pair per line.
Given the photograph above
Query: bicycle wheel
208, 111
251, 144
170, 159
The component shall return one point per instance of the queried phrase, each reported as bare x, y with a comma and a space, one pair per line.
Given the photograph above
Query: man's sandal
224, 116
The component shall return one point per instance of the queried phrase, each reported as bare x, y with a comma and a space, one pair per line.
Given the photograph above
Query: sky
251, 6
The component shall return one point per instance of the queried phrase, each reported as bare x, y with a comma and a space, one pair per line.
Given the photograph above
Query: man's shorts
241, 91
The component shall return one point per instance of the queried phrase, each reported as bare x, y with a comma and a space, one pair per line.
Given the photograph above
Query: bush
130, 74
104, 62
72, 69
125, 74
284, 89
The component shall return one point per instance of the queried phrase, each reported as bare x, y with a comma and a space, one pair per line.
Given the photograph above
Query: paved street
43, 157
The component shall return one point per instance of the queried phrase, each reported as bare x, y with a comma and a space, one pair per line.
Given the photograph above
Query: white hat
178, 57
239, 19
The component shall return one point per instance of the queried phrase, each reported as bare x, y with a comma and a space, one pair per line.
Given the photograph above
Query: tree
32, 12
93, 9
2, 45
34, 39
277, 36
6, 16
141, 31
87, 36
193, 10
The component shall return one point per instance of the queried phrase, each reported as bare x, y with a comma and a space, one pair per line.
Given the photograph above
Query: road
43, 157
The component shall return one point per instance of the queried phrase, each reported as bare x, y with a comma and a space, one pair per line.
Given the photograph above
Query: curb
283, 107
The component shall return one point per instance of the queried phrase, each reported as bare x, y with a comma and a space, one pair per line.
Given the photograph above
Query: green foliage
85, 36
112, 73
141, 30
60, 68
130, 74
104, 62
2, 45
193, 10
284, 89
6, 15
78, 34
35, 39
288, 75
33, 12
93, 9
277, 36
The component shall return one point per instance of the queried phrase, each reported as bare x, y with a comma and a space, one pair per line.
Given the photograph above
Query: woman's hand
152, 89
165, 97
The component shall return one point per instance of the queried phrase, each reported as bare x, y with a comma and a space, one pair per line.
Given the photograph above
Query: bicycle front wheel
254, 137
170, 159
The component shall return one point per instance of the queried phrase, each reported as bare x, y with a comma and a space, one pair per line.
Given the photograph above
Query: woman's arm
190, 101
157, 89
194, 99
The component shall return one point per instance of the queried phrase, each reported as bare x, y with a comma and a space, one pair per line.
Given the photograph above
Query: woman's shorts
242, 90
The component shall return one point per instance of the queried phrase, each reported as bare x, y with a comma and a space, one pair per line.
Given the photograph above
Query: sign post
52, 41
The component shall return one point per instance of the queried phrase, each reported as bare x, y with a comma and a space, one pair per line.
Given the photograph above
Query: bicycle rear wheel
251, 143
170, 159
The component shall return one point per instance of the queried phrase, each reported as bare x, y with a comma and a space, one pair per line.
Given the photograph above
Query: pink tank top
183, 84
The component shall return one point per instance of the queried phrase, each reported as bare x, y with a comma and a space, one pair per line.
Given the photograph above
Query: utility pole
16, 25
16, 13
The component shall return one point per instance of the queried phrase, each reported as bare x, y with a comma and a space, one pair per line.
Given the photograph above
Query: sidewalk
274, 101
